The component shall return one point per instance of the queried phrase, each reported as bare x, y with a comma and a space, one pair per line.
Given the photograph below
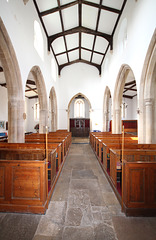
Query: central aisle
84, 207
83, 202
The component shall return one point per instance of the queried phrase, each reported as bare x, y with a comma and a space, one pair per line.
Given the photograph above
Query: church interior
78, 119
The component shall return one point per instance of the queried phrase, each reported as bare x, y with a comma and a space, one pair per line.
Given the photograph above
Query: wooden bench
19, 161
139, 188
24, 178
133, 155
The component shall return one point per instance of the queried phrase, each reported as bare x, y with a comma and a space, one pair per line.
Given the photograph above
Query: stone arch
125, 70
106, 109
42, 97
147, 97
90, 111
14, 87
53, 110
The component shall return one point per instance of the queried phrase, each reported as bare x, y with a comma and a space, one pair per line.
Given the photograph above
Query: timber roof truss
79, 30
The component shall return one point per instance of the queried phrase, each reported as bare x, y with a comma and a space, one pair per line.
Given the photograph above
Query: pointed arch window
79, 108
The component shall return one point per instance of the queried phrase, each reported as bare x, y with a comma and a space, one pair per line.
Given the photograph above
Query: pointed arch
90, 108
147, 97
14, 87
106, 109
42, 97
53, 110
125, 70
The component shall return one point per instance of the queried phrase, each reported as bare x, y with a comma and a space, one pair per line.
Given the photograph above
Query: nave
83, 206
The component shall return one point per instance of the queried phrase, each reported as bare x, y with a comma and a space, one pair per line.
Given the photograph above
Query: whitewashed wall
85, 79
131, 41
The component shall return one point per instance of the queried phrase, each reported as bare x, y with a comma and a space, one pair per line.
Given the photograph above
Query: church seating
29, 172
137, 192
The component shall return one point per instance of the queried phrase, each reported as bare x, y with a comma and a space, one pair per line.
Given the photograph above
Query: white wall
3, 107
18, 19
130, 44
29, 109
84, 79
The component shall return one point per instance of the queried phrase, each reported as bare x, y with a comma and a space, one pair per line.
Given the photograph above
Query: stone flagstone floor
83, 207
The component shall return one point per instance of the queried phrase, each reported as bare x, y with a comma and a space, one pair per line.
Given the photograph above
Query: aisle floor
83, 207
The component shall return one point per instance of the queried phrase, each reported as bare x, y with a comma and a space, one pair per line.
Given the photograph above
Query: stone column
20, 121
149, 120
43, 122
106, 121
117, 121
12, 120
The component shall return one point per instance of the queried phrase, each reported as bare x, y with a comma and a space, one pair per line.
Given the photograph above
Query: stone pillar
106, 122
149, 120
20, 122
117, 121
12, 120
43, 122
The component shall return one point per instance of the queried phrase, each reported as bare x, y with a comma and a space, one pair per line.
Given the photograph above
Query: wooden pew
139, 188
133, 155
24, 180
26, 157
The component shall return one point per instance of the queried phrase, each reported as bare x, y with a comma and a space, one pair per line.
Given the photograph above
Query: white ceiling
79, 30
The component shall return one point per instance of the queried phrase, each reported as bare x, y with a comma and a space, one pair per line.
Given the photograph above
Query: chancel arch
36, 101
10, 68
53, 110
107, 107
79, 115
125, 101
147, 100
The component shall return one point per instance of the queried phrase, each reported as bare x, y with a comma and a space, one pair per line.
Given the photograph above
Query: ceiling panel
62, 59
72, 41
89, 16
59, 45
107, 17
113, 4
46, 4
94, 1
70, 17
62, 2
50, 23
87, 40
73, 55
101, 44
85, 55
75, 26
97, 58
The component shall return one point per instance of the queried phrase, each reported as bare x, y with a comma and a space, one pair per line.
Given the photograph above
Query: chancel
77, 119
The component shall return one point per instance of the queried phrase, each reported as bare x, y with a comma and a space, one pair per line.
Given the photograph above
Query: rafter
77, 61
77, 30
97, 24
62, 25
130, 88
31, 82
127, 96
101, 7
32, 89
130, 83
53, 10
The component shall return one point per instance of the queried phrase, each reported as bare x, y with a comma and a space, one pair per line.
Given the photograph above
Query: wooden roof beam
53, 10
77, 30
77, 61
101, 7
